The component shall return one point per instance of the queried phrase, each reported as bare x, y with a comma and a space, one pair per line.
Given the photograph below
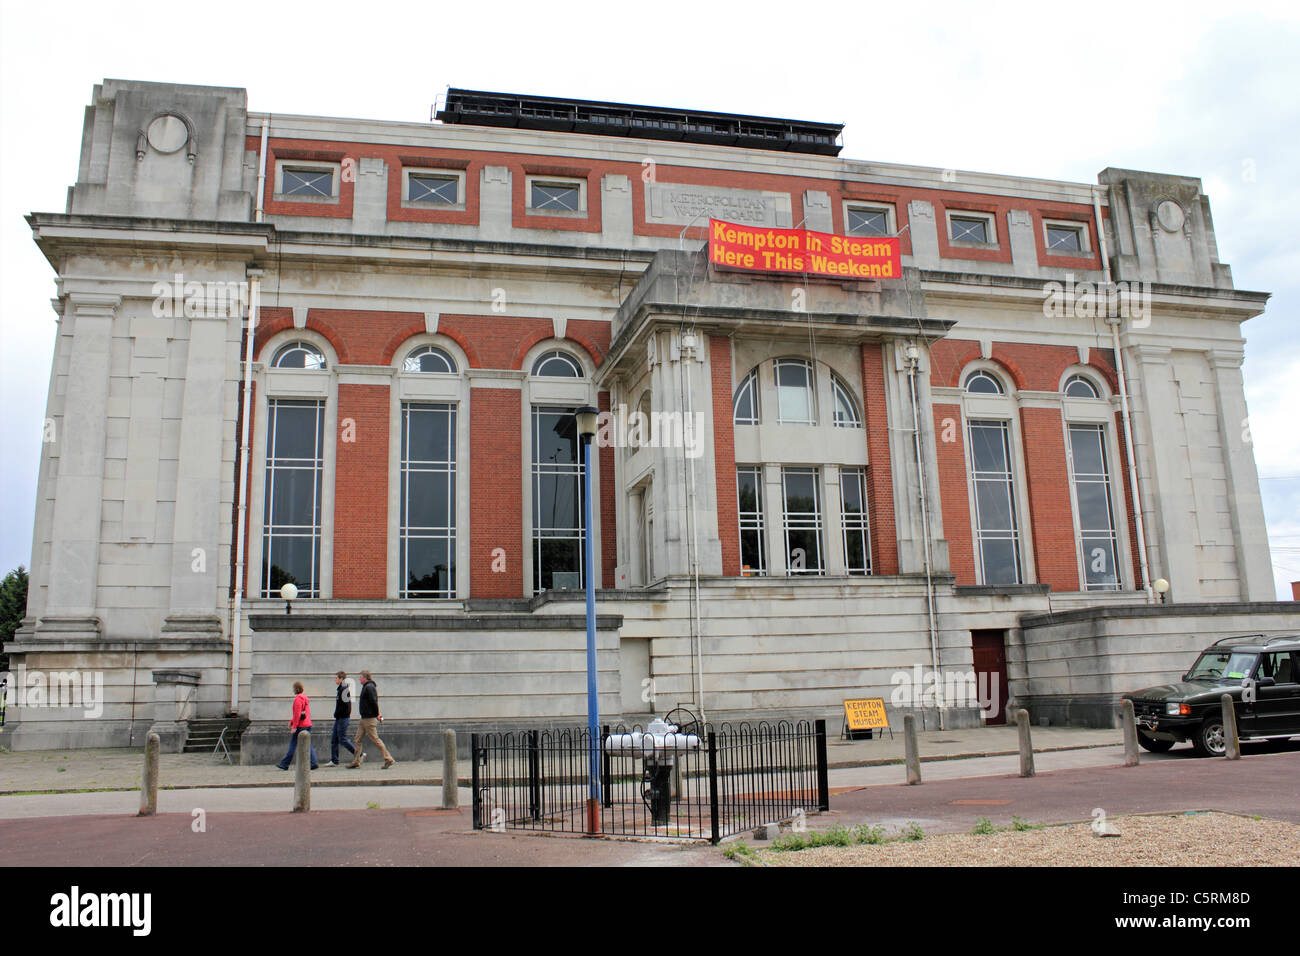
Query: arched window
846, 410
557, 365
430, 359
1080, 387
983, 383
794, 392
298, 355
745, 404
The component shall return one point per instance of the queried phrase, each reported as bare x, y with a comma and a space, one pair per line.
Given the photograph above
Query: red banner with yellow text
760, 249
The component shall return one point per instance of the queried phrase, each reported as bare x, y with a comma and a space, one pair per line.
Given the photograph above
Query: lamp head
289, 592
587, 416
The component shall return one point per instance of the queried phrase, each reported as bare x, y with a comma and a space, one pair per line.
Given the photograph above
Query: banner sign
762, 249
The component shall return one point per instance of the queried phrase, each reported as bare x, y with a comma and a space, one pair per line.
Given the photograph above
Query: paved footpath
64, 771
1263, 782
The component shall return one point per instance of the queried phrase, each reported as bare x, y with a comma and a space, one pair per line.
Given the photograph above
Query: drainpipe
688, 358
241, 519
1113, 322
912, 356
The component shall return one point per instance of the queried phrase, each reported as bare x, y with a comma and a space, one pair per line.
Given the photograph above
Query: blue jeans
340, 736
293, 746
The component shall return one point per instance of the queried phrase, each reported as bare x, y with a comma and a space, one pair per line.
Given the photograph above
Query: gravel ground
1202, 839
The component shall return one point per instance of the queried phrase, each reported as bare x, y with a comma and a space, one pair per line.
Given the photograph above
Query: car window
1279, 665
1222, 665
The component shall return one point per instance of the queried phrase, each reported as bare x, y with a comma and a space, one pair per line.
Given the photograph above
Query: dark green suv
1262, 674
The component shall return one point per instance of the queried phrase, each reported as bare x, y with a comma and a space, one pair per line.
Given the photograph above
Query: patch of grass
912, 832
61, 769
741, 852
1020, 825
984, 826
371, 805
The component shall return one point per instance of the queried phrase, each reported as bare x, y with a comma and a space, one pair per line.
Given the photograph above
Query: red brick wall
608, 521
496, 489
880, 482
953, 496
361, 493
1043, 444
724, 454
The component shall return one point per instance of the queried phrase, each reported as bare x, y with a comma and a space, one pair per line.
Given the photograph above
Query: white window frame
990, 228
753, 521
1075, 226
1013, 497
817, 524
811, 387
581, 184
292, 383
860, 522
452, 468
891, 222
335, 169
418, 171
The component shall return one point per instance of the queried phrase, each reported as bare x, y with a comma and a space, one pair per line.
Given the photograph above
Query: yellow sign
866, 713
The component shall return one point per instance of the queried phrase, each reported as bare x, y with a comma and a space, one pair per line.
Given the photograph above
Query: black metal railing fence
705, 786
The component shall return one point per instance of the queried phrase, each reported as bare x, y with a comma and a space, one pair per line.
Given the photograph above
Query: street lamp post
586, 417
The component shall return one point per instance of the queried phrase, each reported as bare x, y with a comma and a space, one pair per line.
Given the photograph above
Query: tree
13, 606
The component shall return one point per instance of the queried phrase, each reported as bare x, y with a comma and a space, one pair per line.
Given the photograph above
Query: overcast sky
1059, 92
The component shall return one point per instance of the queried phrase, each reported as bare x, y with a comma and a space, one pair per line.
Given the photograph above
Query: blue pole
593, 704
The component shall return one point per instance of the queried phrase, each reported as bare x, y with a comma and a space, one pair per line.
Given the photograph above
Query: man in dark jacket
342, 717
368, 711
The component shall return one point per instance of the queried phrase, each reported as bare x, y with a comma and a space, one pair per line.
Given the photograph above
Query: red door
989, 652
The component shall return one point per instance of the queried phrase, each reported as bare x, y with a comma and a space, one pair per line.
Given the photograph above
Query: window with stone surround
291, 524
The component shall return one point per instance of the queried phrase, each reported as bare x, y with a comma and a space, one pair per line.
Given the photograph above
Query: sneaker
332, 763
354, 766
315, 766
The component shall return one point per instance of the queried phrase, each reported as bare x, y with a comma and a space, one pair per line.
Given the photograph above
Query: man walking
368, 711
342, 717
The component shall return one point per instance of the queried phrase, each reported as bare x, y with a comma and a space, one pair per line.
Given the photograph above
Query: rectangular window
853, 509
995, 503
295, 442
557, 500
555, 197
314, 183
1064, 238
753, 535
794, 392
433, 188
969, 229
1098, 544
428, 502
802, 519
868, 220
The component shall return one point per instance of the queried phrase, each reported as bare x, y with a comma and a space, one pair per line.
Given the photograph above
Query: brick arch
533, 339
1099, 360
335, 338
272, 322
395, 341
1011, 367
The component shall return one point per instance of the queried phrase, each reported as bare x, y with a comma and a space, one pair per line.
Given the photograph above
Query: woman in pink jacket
301, 721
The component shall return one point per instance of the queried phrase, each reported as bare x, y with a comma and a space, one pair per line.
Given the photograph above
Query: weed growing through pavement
984, 826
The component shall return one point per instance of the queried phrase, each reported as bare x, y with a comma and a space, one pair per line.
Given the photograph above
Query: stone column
79, 487
1254, 568
196, 533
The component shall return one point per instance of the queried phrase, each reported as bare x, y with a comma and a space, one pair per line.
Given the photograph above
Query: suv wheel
1210, 741
1154, 744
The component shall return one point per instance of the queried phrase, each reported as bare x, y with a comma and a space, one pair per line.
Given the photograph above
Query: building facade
346, 354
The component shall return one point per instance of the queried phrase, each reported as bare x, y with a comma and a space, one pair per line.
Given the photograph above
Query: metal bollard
911, 753
1231, 742
149, 786
450, 783
1026, 745
1130, 733
302, 774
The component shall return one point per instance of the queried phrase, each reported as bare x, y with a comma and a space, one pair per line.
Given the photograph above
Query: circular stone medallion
168, 134
1170, 216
